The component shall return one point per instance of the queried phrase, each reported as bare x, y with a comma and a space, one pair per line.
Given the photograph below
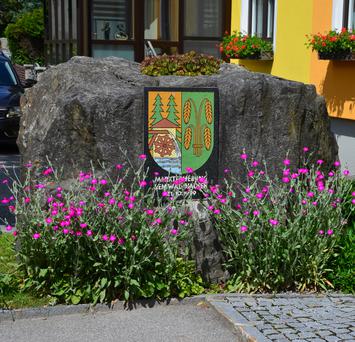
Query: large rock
92, 109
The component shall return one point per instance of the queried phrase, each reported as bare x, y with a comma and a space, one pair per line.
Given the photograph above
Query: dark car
11, 90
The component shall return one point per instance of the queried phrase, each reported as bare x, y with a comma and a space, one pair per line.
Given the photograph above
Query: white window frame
244, 19
338, 13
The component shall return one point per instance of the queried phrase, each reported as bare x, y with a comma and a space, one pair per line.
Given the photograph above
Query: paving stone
307, 335
295, 317
292, 336
340, 331
297, 325
331, 338
280, 327
277, 337
270, 318
304, 319
286, 330
345, 337
324, 333
267, 332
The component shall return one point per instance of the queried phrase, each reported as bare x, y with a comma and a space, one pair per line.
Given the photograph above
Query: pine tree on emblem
172, 116
157, 110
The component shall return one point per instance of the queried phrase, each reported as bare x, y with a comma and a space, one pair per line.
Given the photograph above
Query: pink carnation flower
243, 228
36, 236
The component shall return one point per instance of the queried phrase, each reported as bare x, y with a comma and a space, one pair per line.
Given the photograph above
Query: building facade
101, 28
292, 21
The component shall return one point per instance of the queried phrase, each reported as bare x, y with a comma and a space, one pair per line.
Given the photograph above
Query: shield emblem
180, 132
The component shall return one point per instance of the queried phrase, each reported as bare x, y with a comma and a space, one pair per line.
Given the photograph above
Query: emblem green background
197, 125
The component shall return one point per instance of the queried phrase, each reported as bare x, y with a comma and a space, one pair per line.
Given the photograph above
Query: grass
10, 294
7, 254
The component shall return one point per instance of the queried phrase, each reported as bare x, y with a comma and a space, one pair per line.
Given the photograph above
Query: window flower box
243, 46
346, 55
333, 45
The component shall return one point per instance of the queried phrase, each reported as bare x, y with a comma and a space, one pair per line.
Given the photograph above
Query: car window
7, 76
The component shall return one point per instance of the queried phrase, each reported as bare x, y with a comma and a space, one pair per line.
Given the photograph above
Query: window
203, 18
343, 14
61, 30
203, 25
349, 14
161, 20
261, 18
112, 20
7, 76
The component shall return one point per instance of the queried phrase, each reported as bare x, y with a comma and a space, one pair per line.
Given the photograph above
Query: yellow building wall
335, 80
292, 58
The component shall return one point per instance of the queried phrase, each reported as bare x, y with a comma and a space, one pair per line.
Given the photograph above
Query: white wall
344, 131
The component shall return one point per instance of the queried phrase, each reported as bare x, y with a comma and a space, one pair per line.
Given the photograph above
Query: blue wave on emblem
172, 165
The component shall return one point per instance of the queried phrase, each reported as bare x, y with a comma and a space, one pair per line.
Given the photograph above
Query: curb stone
244, 329
49, 311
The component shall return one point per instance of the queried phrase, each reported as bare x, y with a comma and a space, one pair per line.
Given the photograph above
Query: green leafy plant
184, 280
332, 42
26, 38
8, 10
240, 45
342, 262
97, 240
280, 233
188, 64
8, 267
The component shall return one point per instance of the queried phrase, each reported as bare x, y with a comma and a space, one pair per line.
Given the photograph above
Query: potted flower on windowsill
333, 45
244, 46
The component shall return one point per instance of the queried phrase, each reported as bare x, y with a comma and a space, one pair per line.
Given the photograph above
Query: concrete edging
48, 311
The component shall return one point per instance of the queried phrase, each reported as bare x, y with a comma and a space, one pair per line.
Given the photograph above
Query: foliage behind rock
26, 39
188, 64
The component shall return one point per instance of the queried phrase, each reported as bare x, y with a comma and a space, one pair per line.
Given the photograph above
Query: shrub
279, 233
332, 41
26, 38
189, 64
97, 240
342, 262
9, 280
239, 45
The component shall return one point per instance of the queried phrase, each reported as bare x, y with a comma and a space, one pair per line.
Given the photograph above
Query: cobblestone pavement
290, 317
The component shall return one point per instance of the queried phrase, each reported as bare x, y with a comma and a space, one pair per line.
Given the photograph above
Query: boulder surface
92, 109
